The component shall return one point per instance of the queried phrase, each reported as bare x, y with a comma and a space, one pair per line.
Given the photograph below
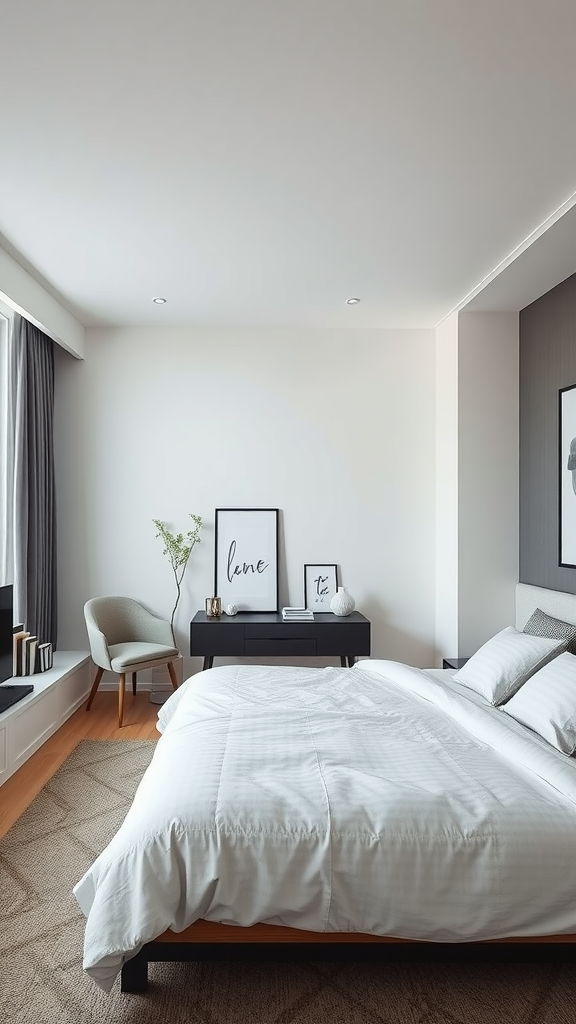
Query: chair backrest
122, 620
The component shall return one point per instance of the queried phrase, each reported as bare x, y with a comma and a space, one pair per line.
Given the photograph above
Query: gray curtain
34, 488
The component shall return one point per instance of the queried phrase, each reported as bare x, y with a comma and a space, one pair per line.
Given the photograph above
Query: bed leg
134, 974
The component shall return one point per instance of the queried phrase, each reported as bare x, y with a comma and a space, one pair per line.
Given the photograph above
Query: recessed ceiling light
352, 302
159, 300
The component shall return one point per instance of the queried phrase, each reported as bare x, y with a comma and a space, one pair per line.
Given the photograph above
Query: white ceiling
257, 162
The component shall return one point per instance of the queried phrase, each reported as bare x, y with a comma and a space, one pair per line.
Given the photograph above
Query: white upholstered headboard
553, 602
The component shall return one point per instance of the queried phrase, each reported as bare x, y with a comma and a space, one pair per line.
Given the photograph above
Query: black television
6, 631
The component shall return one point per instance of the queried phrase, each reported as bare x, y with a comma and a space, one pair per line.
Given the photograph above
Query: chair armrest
155, 630
98, 647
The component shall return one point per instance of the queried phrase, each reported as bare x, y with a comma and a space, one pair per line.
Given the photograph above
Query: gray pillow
541, 624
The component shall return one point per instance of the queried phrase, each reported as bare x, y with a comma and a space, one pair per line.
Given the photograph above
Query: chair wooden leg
121, 689
134, 674
95, 685
173, 678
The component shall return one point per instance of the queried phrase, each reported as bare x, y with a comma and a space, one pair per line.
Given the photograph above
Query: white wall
447, 487
477, 514
335, 428
488, 467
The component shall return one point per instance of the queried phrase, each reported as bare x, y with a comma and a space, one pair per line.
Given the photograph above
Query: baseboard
142, 687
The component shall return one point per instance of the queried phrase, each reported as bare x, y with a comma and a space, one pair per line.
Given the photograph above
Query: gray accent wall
547, 363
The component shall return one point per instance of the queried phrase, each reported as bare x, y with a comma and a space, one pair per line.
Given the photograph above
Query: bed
344, 809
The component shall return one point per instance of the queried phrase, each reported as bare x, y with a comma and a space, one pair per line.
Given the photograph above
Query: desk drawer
217, 637
280, 648
280, 630
344, 638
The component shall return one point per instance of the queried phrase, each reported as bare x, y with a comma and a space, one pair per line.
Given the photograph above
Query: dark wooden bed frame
205, 940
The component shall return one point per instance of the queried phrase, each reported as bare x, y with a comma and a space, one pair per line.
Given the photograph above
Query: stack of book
19, 638
44, 657
30, 656
297, 614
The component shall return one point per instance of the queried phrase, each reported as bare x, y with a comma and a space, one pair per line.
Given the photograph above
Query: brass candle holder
213, 607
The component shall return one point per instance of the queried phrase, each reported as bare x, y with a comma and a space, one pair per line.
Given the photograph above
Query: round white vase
342, 603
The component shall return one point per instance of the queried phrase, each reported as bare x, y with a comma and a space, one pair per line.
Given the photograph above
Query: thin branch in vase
178, 548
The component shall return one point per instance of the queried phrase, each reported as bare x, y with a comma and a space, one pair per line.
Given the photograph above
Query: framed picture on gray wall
246, 558
567, 478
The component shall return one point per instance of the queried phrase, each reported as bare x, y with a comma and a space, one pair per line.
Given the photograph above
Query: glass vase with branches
178, 547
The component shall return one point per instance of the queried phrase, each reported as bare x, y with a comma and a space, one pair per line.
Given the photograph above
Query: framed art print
320, 585
246, 558
567, 477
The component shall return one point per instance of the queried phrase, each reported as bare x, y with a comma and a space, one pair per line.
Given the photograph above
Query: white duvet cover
380, 799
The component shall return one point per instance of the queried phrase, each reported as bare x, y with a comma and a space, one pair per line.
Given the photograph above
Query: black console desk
265, 634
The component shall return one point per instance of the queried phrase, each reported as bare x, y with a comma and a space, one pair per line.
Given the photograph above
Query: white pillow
547, 703
505, 662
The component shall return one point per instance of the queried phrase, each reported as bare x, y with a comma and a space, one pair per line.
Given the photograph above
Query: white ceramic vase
342, 603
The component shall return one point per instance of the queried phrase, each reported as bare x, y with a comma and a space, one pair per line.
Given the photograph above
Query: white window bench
57, 694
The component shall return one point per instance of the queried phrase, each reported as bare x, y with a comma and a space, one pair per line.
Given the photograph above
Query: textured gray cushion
125, 657
541, 624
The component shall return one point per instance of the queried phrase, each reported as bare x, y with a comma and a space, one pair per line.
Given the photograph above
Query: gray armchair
125, 637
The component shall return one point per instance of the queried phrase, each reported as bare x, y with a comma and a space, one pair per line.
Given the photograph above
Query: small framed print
246, 558
567, 477
320, 585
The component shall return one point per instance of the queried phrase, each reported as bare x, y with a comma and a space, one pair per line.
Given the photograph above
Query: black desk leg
342, 661
208, 662
351, 660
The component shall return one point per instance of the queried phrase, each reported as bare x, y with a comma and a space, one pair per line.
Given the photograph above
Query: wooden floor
100, 723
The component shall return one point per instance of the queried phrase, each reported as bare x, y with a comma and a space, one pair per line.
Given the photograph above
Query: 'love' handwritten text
244, 568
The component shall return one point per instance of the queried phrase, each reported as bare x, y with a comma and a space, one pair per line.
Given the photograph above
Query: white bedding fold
485, 723
378, 799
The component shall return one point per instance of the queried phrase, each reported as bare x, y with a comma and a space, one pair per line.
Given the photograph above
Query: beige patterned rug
41, 977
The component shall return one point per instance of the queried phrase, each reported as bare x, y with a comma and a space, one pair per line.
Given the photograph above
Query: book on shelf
44, 653
291, 614
29, 655
18, 647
